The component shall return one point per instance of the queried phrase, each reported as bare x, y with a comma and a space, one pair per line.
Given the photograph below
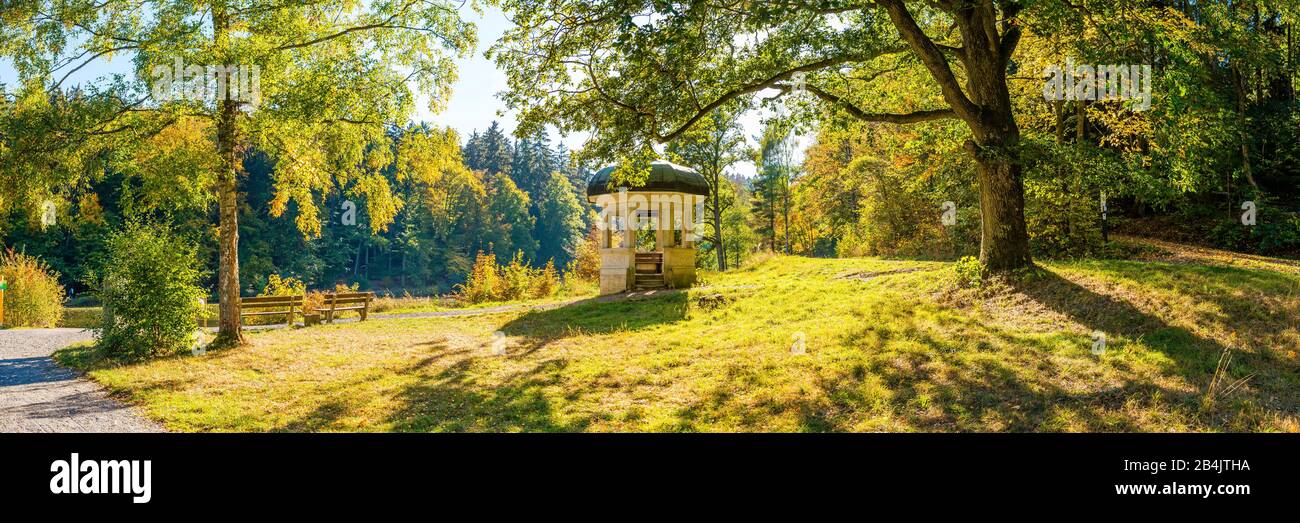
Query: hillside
891, 346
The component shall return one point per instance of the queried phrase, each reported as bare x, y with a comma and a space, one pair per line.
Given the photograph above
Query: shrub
277, 286
585, 265
484, 280
34, 298
488, 281
900, 213
1276, 232
516, 279
315, 301
1061, 221
547, 281
969, 272
149, 288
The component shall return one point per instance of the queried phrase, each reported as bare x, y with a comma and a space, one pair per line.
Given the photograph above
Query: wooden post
1105, 233
331, 314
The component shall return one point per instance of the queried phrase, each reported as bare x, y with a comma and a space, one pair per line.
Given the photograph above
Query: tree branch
765, 83
895, 118
933, 59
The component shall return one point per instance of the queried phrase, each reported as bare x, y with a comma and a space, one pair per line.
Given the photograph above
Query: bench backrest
344, 298
271, 301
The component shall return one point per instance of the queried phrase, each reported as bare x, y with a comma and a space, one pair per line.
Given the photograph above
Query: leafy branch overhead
636, 71
333, 76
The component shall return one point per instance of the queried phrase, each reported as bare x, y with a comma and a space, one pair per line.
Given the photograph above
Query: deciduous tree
636, 72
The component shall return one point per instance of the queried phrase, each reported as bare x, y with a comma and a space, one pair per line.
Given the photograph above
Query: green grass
891, 346
81, 317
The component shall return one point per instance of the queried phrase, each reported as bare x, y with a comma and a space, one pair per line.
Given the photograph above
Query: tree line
522, 201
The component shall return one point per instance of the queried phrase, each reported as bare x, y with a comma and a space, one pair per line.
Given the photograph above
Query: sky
473, 105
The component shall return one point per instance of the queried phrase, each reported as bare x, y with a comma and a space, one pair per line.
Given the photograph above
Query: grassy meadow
890, 346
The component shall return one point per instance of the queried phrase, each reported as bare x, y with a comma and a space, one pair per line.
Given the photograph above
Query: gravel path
38, 395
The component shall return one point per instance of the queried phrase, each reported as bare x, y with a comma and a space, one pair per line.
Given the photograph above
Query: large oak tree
637, 72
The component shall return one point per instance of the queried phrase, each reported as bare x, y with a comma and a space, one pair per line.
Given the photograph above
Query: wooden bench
278, 305
346, 301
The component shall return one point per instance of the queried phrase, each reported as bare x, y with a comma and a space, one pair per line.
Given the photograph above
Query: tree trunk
785, 215
1243, 130
985, 106
717, 229
229, 331
1004, 242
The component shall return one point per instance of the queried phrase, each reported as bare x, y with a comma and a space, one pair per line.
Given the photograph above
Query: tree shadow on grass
541, 327
1195, 357
455, 399
1026, 390
1251, 302
914, 374
452, 401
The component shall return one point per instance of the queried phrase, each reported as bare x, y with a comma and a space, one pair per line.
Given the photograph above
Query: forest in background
1222, 130
493, 194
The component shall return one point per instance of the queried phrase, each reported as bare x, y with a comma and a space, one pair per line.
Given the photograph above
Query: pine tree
496, 151
559, 221
473, 152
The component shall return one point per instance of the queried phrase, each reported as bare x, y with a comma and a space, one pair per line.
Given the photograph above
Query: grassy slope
887, 350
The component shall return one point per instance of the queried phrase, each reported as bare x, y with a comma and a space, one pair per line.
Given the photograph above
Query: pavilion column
688, 207
661, 232
607, 235
629, 235
671, 225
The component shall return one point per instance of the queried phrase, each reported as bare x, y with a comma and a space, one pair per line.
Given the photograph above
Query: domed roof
664, 177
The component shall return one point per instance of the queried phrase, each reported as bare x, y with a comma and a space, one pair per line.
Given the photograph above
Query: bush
969, 272
547, 281
488, 281
149, 288
1276, 232
900, 213
516, 279
34, 298
585, 265
1061, 221
316, 302
277, 286
484, 282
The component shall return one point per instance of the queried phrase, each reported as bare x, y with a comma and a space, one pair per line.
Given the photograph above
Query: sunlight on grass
891, 346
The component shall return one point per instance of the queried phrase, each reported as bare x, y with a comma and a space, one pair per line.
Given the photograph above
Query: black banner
323, 472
